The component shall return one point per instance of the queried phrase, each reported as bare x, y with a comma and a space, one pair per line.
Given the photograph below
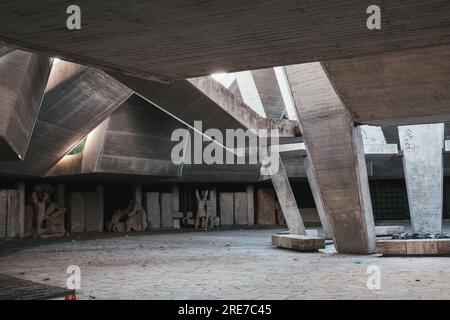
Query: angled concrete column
422, 147
249, 91
287, 201
251, 205
318, 199
334, 149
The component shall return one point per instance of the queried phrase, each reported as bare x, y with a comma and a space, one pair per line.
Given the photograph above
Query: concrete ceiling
396, 88
189, 38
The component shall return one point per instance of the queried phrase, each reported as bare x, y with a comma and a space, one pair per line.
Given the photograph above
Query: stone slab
414, 247
91, 212
266, 207
240, 208
166, 210
153, 210
3, 212
298, 242
226, 208
13, 224
388, 230
76, 207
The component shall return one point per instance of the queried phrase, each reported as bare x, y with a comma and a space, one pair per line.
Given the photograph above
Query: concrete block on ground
388, 230
240, 208
3, 212
76, 211
91, 212
166, 210
13, 224
414, 247
226, 208
298, 242
266, 214
153, 210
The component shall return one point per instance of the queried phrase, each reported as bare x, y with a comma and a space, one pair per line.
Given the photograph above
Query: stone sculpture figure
201, 212
49, 215
133, 218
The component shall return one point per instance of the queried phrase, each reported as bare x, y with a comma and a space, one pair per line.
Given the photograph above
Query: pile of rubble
435, 235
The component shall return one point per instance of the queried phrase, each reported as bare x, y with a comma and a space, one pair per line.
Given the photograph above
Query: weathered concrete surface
3, 212
266, 207
153, 210
183, 39
250, 205
23, 77
269, 90
172, 266
13, 218
388, 230
166, 210
249, 91
68, 113
195, 99
413, 247
317, 195
226, 208
338, 164
405, 87
76, 211
287, 201
240, 208
422, 147
91, 212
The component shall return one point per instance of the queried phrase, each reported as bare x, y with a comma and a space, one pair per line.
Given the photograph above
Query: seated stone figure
49, 215
133, 218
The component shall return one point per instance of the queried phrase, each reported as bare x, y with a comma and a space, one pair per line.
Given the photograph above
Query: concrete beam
23, 77
68, 113
422, 147
337, 164
185, 39
393, 88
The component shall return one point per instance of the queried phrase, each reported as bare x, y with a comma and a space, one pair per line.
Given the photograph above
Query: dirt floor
222, 265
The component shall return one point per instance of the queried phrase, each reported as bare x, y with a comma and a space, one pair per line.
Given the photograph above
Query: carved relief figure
201, 212
49, 215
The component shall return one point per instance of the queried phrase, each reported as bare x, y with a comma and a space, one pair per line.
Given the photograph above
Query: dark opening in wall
389, 199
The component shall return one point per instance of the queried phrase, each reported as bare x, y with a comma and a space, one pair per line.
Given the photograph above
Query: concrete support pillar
61, 194
287, 201
318, 200
250, 205
423, 164
21, 208
335, 151
101, 210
